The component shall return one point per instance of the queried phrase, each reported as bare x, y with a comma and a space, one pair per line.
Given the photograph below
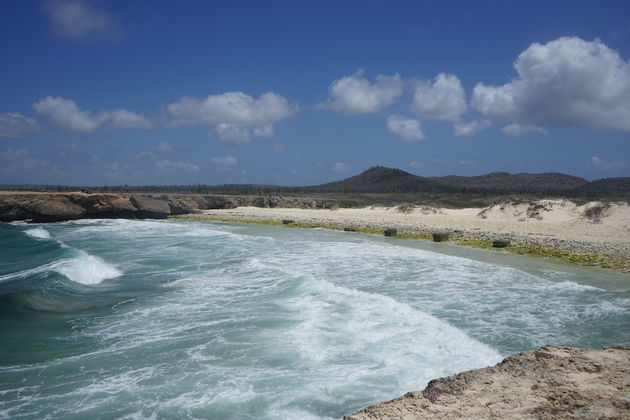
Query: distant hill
618, 187
379, 179
503, 182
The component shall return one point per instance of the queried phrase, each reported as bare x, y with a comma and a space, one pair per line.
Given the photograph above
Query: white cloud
409, 129
357, 95
471, 128
225, 161
465, 162
516, 130
15, 125
164, 147
341, 167
416, 165
65, 114
444, 99
79, 20
234, 116
183, 166
16, 154
603, 165
566, 82
122, 118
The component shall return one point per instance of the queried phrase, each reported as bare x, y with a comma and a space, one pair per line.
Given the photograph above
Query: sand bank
596, 229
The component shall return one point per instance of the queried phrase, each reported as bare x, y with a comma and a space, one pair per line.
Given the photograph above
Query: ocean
207, 320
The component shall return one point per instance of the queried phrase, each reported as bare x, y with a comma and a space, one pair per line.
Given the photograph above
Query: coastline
558, 233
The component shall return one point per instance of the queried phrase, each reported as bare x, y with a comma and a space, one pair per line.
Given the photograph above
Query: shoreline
603, 244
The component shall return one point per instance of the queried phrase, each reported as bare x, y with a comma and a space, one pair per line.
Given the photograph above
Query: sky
143, 92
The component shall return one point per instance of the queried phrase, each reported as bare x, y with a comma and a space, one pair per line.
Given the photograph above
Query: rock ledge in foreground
549, 383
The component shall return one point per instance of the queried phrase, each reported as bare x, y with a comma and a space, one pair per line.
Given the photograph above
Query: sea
151, 319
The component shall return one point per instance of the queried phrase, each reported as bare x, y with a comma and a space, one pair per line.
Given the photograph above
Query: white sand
555, 219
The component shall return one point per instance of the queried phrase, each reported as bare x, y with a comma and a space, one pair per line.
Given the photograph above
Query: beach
595, 228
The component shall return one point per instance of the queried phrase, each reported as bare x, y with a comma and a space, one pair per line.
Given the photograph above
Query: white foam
38, 232
86, 269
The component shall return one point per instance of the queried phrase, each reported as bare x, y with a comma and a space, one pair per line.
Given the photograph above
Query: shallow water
163, 319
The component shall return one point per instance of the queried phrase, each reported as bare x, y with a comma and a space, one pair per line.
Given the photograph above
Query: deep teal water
183, 319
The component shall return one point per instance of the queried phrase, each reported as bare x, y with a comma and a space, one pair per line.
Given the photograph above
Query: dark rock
260, 202
349, 229
390, 232
150, 208
440, 237
53, 210
287, 221
105, 206
500, 243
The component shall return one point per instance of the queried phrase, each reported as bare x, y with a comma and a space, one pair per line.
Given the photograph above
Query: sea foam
38, 232
86, 269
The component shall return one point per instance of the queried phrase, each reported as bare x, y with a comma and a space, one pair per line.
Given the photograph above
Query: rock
105, 206
500, 243
54, 209
149, 207
260, 202
287, 221
440, 237
349, 229
549, 383
390, 232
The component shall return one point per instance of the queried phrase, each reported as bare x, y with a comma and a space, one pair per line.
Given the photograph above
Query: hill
503, 182
379, 179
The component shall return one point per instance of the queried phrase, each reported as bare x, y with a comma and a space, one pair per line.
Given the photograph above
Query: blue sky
301, 93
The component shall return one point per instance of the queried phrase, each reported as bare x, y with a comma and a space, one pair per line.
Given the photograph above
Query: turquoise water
183, 319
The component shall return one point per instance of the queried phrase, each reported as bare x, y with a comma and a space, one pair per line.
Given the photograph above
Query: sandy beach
596, 228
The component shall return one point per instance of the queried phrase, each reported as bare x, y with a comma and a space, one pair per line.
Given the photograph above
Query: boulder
500, 243
390, 232
105, 206
287, 221
150, 207
440, 237
54, 209
349, 229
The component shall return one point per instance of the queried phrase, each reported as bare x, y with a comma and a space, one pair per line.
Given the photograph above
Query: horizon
153, 93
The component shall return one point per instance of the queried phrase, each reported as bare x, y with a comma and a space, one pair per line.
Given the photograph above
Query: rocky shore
549, 383
56, 207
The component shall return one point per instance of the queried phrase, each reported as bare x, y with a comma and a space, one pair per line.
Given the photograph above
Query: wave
38, 233
85, 269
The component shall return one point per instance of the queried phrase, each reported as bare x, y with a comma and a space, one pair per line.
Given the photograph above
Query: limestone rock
549, 383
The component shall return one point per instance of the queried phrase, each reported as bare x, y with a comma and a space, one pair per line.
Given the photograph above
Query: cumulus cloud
225, 161
603, 165
565, 82
341, 167
66, 115
357, 95
126, 119
15, 125
471, 128
234, 116
181, 166
409, 129
444, 99
80, 20
516, 130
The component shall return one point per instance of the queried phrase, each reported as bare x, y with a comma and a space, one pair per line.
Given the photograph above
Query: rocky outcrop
53, 207
549, 383
150, 208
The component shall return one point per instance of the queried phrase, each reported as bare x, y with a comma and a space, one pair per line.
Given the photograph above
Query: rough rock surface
53, 207
549, 383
